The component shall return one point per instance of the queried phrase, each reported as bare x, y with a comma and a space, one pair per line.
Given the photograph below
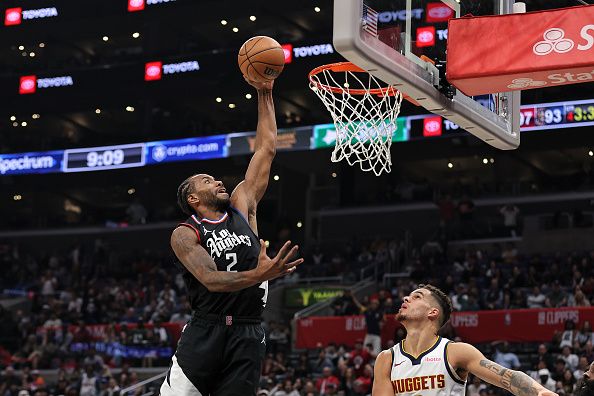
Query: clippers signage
550, 48
14, 16
155, 70
426, 36
138, 5
29, 84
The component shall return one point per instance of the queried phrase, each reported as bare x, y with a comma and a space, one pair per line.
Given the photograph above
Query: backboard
389, 38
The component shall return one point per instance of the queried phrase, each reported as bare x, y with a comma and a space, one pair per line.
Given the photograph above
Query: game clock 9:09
104, 158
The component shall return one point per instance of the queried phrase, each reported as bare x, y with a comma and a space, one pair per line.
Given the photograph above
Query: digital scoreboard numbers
580, 113
104, 158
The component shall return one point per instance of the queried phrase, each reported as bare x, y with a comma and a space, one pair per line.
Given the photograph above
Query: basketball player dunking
429, 365
226, 271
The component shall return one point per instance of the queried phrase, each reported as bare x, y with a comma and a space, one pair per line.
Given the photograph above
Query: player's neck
210, 214
419, 339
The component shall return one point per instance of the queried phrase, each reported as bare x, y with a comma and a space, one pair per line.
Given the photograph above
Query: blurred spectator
543, 355
322, 362
535, 299
136, 212
504, 357
374, 320
475, 385
568, 335
359, 358
585, 334
544, 378
510, 214
327, 381
570, 358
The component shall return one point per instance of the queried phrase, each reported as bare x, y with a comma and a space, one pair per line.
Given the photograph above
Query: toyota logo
153, 71
13, 16
136, 3
27, 84
440, 12
287, 53
432, 126
425, 37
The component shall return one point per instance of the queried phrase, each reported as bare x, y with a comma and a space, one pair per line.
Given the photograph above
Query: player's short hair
185, 189
445, 304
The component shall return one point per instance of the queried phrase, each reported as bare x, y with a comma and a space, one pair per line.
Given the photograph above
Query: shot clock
104, 158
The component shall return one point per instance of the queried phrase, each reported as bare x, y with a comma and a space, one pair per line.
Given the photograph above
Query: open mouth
221, 191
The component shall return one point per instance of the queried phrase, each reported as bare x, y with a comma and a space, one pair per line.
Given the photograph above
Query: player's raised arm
382, 386
197, 260
249, 192
467, 357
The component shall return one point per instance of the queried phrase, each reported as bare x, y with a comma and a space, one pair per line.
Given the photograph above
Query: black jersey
233, 246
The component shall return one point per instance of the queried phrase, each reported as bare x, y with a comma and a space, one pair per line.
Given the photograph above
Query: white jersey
428, 374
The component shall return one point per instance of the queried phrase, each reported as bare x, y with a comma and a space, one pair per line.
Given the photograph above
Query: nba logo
426, 36
135, 5
153, 71
432, 126
28, 85
288, 50
13, 16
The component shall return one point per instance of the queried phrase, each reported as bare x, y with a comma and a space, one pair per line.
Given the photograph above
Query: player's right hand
271, 268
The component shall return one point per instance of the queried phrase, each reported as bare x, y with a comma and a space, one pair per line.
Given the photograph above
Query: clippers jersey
233, 246
429, 374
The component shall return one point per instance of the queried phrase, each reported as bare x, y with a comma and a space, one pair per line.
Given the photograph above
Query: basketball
261, 59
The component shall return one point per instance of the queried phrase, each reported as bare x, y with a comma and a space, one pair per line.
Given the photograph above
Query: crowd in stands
72, 293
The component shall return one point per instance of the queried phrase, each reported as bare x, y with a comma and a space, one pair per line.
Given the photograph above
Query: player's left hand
260, 85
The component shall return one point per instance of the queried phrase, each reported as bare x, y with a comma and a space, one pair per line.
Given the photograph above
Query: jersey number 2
233, 258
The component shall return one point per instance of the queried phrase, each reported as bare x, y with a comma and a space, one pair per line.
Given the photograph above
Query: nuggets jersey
428, 374
233, 246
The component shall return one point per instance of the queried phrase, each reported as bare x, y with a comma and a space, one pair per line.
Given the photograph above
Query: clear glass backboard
404, 43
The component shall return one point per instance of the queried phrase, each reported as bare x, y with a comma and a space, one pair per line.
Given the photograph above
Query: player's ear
433, 313
193, 199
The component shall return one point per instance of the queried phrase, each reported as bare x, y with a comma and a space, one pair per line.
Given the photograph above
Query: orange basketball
261, 58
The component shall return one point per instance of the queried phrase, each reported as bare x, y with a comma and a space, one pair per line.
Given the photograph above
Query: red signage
135, 5
517, 325
288, 50
439, 12
28, 85
426, 36
550, 48
13, 16
432, 126
153, 71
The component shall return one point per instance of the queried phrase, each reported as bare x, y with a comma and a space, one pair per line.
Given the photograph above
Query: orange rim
344, 67
351, 67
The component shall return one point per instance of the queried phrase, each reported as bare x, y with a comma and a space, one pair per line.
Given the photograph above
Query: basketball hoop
364, 110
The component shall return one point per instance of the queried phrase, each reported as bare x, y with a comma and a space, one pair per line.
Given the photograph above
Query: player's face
415, 306
211, 192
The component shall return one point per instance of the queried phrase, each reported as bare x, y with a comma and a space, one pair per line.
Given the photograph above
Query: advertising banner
518, 325
301, 297
521, 51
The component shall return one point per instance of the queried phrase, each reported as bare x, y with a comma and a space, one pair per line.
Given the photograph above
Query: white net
364, 110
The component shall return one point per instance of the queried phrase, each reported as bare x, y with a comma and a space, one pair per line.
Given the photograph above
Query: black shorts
219, 358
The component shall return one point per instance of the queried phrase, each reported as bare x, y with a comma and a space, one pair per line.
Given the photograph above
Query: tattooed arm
466, 357
197, 260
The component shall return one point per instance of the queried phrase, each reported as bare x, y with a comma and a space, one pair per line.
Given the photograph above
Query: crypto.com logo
554, 40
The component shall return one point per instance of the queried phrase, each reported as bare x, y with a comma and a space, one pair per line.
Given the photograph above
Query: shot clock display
104, 158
